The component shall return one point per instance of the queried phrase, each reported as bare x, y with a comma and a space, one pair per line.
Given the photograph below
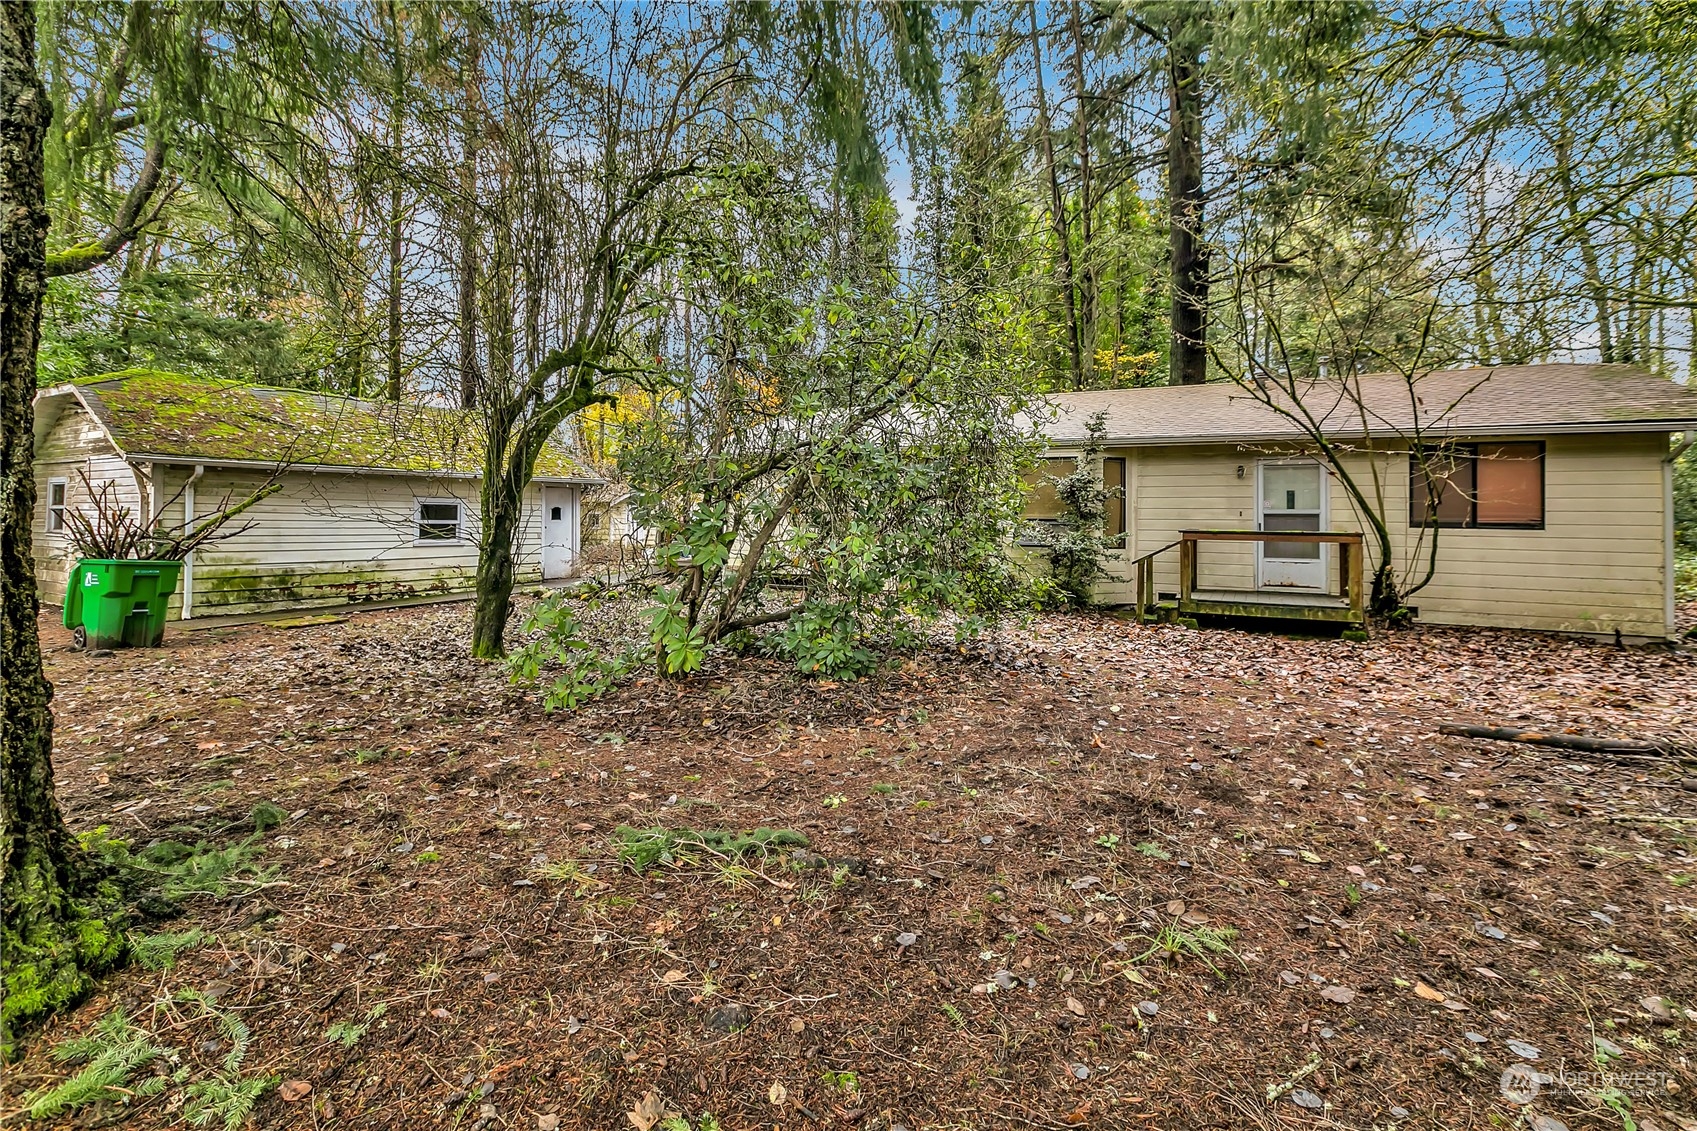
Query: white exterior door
559, 531
1290, 495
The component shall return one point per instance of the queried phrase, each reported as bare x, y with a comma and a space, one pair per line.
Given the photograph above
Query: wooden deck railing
1145, 566
1351, 590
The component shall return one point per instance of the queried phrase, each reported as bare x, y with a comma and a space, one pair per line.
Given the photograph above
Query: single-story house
378, 500
1553, 488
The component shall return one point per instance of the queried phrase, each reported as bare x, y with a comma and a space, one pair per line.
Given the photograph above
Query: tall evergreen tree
56, 930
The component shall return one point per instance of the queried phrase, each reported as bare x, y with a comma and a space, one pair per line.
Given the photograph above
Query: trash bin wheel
79, 638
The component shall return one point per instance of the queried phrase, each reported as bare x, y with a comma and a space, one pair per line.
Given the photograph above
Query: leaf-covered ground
1084, 874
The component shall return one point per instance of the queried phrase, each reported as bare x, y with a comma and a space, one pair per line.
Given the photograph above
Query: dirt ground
1085, 873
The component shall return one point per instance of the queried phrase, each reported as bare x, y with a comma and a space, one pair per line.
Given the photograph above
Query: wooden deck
1347, 606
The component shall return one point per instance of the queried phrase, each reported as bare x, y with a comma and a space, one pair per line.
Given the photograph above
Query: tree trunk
502, 505
392, 389
505, 479
50, 942
1058, 218
1085, 266
1188, 359
468, 224
1581, 232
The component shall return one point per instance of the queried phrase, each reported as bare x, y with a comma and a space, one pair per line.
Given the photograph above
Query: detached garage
378, 500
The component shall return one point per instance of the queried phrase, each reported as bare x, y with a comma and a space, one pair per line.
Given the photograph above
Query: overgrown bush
1075, 543
827, 471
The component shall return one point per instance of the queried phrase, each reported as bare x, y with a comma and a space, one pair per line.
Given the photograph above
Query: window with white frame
439, 520
56, 489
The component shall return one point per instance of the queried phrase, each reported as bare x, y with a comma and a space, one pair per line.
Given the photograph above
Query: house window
1042, 503
1113, 501
439, 520
1479, 485
56, 505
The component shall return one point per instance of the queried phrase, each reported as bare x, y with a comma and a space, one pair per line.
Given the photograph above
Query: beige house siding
1598, 566
326, 538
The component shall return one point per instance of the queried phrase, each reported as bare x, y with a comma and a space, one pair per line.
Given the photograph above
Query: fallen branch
1648, 818
1620, 747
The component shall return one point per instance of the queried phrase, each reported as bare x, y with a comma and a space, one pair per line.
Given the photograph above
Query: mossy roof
151, 413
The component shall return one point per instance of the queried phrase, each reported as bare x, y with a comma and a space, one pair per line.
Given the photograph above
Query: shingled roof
1502, 401
166, 417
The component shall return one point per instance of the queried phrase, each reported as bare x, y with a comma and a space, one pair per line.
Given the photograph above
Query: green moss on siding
229, 590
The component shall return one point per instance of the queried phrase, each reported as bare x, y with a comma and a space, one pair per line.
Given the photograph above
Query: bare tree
598, 123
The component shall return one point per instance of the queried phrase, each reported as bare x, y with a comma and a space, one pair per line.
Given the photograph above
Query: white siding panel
324, 539
75, 446
334, 539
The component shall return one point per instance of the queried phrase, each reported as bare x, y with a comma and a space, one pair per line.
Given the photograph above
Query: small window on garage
1113, 501
440, 520
56, 505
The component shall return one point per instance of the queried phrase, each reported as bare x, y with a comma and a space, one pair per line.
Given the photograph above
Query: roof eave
332, 468
1567, 429
73, 392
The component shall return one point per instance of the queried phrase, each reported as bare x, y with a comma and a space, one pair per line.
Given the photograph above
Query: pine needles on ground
349, 1033
230, 1098
229, 1095
176, 870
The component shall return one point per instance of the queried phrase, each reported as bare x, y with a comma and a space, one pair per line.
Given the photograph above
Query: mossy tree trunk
51, 942
495, 568
512, 446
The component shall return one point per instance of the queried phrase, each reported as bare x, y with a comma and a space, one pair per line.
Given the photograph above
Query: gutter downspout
188, 525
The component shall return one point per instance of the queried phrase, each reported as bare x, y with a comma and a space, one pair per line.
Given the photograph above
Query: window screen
438, 521
1113, 502
1042, 503
1510, 485
1441, 489
1291, 494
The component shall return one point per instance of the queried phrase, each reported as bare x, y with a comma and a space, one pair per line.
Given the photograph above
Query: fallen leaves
1216, 767
648, 1112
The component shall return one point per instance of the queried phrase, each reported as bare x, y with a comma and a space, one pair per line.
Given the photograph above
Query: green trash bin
119, 604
